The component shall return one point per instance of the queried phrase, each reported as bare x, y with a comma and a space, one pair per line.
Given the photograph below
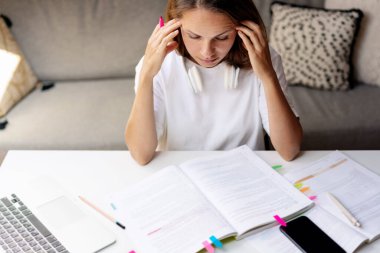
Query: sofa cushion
315, 44
366, 57
86, 39
264, 7
73, 115
16, 78
339, 120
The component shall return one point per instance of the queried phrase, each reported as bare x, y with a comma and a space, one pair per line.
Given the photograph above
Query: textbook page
356, 187
166, 213
273, 240
244, 189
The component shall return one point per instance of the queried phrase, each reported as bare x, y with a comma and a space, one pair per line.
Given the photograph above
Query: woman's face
208, 36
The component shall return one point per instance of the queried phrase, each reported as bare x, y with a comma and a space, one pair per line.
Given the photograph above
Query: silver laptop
42, 217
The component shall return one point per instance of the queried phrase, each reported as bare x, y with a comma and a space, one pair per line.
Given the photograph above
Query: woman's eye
222, 38
194, 37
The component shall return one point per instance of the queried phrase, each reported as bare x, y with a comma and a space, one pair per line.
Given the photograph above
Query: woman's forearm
140, 133
285, 129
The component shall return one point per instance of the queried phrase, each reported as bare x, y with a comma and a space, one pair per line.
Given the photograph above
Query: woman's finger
247, 42
252, 36
161, 33
167, 29
165, 41
170, 22
158, 27
152, 36
255, 27
171, 46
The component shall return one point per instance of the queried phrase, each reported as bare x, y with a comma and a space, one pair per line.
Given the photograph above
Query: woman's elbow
290, 154
142, 158
142, 155
290, 151
293, 150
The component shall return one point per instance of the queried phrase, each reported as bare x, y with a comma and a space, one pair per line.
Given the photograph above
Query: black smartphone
308, 237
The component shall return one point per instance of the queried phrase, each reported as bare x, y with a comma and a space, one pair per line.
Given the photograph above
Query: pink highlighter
161, 22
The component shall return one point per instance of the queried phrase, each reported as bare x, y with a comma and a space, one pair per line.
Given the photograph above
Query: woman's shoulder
276, 59
273, 53
172, 65
173, 59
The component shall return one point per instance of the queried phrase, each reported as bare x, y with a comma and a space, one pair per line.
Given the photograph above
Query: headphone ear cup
195, 79
236, 76
227, 77
231, 77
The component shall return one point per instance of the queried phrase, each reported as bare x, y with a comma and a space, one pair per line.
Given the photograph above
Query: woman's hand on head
258, 49
159, 45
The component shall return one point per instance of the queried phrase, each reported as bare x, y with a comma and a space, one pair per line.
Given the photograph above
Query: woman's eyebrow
188, 31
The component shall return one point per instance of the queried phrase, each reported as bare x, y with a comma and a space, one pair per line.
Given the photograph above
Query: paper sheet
357, 188
246, 190
166, 213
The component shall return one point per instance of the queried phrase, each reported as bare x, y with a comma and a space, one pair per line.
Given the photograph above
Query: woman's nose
207, 49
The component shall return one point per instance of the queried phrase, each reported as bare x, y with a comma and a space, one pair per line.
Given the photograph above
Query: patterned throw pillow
315, 44
366, 56
16, 77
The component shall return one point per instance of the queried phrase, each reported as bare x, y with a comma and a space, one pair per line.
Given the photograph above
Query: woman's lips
209, 61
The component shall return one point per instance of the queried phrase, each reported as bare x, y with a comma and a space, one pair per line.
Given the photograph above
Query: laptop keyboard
21, 231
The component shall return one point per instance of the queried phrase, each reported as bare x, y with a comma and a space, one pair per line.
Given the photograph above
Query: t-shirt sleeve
158, 99
277, 65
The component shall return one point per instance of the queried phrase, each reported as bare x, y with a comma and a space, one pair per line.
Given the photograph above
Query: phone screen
308, 237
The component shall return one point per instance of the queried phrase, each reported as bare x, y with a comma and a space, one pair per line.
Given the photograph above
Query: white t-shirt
215, 118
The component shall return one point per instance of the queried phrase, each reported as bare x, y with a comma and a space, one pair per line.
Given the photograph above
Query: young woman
210, 81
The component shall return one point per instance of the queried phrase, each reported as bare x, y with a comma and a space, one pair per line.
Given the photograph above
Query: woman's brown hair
237, 10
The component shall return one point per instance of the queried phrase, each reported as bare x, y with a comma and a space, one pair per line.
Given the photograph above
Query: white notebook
179, 207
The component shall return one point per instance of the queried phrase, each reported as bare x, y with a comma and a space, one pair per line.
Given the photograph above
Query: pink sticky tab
279, 220
312, 197
208, 247
132, 251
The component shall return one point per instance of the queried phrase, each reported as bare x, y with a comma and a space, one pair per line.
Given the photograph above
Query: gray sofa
89, 48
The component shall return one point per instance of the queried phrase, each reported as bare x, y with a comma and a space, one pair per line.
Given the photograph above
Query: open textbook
357, 188
230, 194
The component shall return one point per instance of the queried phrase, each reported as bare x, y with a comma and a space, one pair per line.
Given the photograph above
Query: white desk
96, 173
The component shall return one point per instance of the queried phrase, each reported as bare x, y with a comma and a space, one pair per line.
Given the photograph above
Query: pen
161, 22
346, 213
109, 217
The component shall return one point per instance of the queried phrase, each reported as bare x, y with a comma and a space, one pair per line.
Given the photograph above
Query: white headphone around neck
231, 75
